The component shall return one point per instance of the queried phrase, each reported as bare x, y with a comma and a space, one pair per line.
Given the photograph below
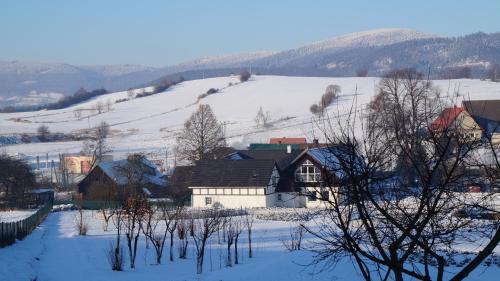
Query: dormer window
307, 172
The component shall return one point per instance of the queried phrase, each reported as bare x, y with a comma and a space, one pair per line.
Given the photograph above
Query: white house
251, 179
234, 183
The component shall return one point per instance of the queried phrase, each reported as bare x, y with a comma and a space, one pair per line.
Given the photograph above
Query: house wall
231, 197
495, 139
318, 203
290, 200
468, 125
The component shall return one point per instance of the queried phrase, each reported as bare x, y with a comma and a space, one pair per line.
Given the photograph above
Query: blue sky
160, 33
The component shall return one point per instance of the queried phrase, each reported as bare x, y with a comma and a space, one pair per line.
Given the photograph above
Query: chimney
289, 149
316, 142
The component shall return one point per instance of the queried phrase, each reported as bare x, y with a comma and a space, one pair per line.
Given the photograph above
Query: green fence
10, 231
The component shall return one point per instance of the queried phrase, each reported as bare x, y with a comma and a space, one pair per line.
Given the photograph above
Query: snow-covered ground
152, 123
55, 252
15, 215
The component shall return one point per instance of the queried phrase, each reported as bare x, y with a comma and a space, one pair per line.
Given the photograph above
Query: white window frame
307, 172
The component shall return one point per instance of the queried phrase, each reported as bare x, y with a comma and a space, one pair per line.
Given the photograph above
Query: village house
265, 178
107, 180
457, 120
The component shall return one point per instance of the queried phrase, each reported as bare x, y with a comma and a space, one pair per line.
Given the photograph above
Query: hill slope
154, 122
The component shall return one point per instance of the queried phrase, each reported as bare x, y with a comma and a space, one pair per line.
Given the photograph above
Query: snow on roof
117, 170
328, 157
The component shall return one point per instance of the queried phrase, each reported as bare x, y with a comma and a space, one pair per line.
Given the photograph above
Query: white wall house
234, 183
288, 180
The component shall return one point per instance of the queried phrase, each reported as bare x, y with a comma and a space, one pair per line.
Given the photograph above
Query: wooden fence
10, 231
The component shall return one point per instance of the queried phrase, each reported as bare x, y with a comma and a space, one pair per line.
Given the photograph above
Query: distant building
457, 120
77, 164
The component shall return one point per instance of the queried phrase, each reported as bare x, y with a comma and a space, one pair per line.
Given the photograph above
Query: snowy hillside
153, 123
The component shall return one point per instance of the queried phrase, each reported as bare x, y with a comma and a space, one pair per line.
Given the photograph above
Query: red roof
285, 140
446, 117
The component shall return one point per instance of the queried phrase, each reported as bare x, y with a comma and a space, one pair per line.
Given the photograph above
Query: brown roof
285, 140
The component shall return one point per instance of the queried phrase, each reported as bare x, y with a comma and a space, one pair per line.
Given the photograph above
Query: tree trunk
171, 246
229, 260
236, 250
250, 255
199, 262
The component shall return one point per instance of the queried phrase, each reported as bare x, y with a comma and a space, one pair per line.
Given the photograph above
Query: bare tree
109, 105
395, 183
202, 135
175, 216
99, 107
109, 207
249, 219
81, 221
151, 231
231, 233
77, 113
43, 132
294, 241
238, 228
115, 257
182, 234
206, 225
134, 210
98, 146
262, 119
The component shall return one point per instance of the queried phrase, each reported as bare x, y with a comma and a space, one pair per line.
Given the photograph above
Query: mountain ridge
374, 51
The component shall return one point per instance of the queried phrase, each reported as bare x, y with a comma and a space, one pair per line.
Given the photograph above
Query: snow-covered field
152, 123
55, 252
15, 215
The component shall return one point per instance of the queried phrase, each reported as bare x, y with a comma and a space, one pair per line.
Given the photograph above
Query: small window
208, 200
279, 197
325, 195
312, 196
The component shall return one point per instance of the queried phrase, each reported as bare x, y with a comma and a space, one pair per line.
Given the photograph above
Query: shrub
43, 133
315, 109
212, 91
115, 257
80, 96
245, 75
361, 72
121, 100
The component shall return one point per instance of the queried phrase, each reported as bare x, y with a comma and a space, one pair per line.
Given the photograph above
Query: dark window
325, 195
312, 196
208, 200
279, 197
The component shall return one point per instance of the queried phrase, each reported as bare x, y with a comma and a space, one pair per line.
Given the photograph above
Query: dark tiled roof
232, 173
181, 175
487, 109
486, 113
281, 157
